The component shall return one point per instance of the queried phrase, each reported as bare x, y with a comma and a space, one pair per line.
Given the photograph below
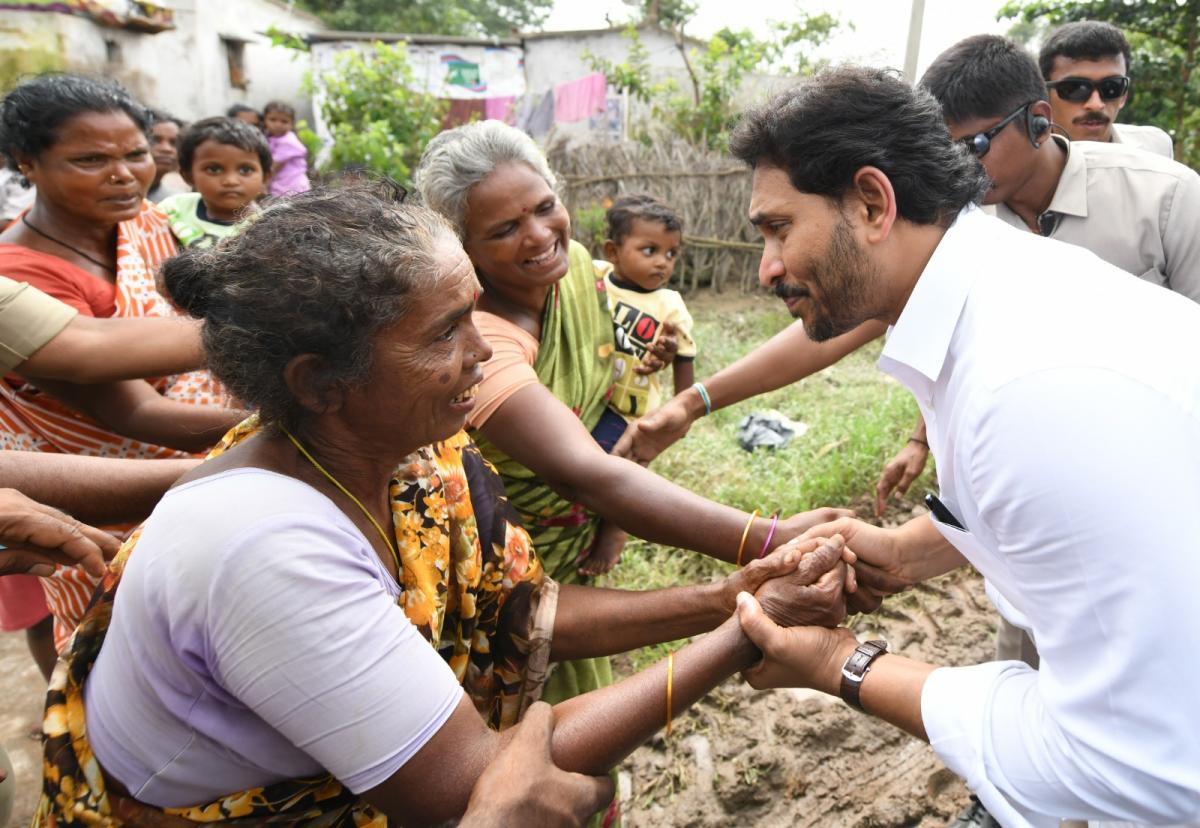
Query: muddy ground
740, 757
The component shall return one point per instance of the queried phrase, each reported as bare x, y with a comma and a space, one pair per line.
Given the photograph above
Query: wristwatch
856, 668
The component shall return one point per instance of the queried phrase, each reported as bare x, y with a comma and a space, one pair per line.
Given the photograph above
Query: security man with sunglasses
1086, 67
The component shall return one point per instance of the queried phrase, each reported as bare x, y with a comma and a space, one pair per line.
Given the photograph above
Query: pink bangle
770, 534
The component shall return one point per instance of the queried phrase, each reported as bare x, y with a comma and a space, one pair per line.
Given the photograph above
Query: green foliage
312, 142
498, 18
668, 13
375, 117
705, 113
1165, 37
589, 224
286, 40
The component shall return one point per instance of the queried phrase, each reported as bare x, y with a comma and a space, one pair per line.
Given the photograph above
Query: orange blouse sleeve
508, 371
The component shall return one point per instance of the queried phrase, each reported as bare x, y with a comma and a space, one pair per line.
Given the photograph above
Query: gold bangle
670, 674
745, 534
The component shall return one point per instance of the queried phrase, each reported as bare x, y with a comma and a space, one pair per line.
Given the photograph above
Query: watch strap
856, 668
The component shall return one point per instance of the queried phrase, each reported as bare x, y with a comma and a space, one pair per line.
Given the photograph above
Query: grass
858, 418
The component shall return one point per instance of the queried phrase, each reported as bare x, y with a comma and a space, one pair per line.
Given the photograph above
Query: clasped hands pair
795, 598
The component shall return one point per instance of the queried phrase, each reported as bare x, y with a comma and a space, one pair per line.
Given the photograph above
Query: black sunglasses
979, 143
1078, 90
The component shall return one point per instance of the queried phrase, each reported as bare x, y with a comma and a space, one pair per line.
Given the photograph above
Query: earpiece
1038, 125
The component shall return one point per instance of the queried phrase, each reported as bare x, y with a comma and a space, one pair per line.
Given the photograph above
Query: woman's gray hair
319, 273
459, 158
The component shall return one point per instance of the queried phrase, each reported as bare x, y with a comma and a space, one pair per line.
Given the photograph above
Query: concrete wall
556, 58
183, 70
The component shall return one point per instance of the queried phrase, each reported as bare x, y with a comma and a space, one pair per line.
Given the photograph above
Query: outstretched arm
537, 430
91, 350
785, 358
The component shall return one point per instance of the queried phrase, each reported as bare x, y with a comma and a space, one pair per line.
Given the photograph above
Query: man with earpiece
1135, 209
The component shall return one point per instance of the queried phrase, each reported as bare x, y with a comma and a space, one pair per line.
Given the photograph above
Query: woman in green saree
544, 392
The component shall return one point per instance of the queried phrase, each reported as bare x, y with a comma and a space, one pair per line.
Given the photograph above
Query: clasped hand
802, 582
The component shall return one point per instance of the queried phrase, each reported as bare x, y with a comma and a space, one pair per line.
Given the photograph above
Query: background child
245, 113
291, 156
644, 237
227, 163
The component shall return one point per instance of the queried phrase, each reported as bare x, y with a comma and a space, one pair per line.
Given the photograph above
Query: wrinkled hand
899, 474
812, 592
39, 537
662, 351
649, 436
792, 656
523, 786
878, 570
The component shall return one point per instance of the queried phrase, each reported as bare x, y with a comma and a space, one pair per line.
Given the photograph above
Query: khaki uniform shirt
1136, 210
28, 320
1148, 138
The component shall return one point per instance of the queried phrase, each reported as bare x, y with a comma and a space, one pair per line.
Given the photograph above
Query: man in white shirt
1063, 403
1134, 209
1086, 64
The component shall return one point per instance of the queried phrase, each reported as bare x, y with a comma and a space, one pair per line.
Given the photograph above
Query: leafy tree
375, 117
1165, 37
462, 17
667, 13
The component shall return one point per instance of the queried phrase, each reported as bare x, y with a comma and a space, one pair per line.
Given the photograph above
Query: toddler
642, 244
227, 162
291, 156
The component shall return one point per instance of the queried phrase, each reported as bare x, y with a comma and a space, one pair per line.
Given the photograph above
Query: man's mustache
1098, 120
784, 291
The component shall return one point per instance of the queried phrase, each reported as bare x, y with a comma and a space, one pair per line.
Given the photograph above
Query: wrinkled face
1092, 119
277, 123
1010, 160
426, 366
227, 178
164, 147
517, 231
97, 170
646, 257
811, 258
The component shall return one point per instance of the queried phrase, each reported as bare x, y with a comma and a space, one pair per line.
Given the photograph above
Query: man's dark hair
824, 131
233, 111
34, 111
984, 76
161, 116
629, 208
223, 130
1083, 40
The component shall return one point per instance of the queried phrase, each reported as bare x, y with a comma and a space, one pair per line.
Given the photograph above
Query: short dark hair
279, 106
322, 273
233, 111
32, 113
161, 116
983, 76
1083, 40
223, 130
825, 130
629, 208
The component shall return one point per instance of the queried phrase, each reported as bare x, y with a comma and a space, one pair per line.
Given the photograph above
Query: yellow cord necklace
391, 545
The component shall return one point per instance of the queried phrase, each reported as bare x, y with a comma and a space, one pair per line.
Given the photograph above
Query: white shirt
256, 637
1062, 399
1148, 138
1136, 210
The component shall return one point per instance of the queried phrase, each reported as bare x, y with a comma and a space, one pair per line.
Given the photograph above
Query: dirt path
22, 691
798, 758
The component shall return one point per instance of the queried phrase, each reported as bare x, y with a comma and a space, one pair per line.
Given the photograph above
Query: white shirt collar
1070, 196
920, 339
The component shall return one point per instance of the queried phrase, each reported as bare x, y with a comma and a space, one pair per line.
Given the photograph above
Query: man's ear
873, 204
610, 250
1040, 109
303, 375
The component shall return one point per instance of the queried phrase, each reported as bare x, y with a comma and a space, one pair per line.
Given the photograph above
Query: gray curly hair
459, 158
319, 273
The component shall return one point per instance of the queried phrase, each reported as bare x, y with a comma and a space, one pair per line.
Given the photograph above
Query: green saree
574, 361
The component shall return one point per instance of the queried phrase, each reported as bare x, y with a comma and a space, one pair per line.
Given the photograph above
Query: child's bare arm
685, 373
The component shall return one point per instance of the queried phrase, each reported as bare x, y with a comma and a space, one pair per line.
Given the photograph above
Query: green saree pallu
574, 361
